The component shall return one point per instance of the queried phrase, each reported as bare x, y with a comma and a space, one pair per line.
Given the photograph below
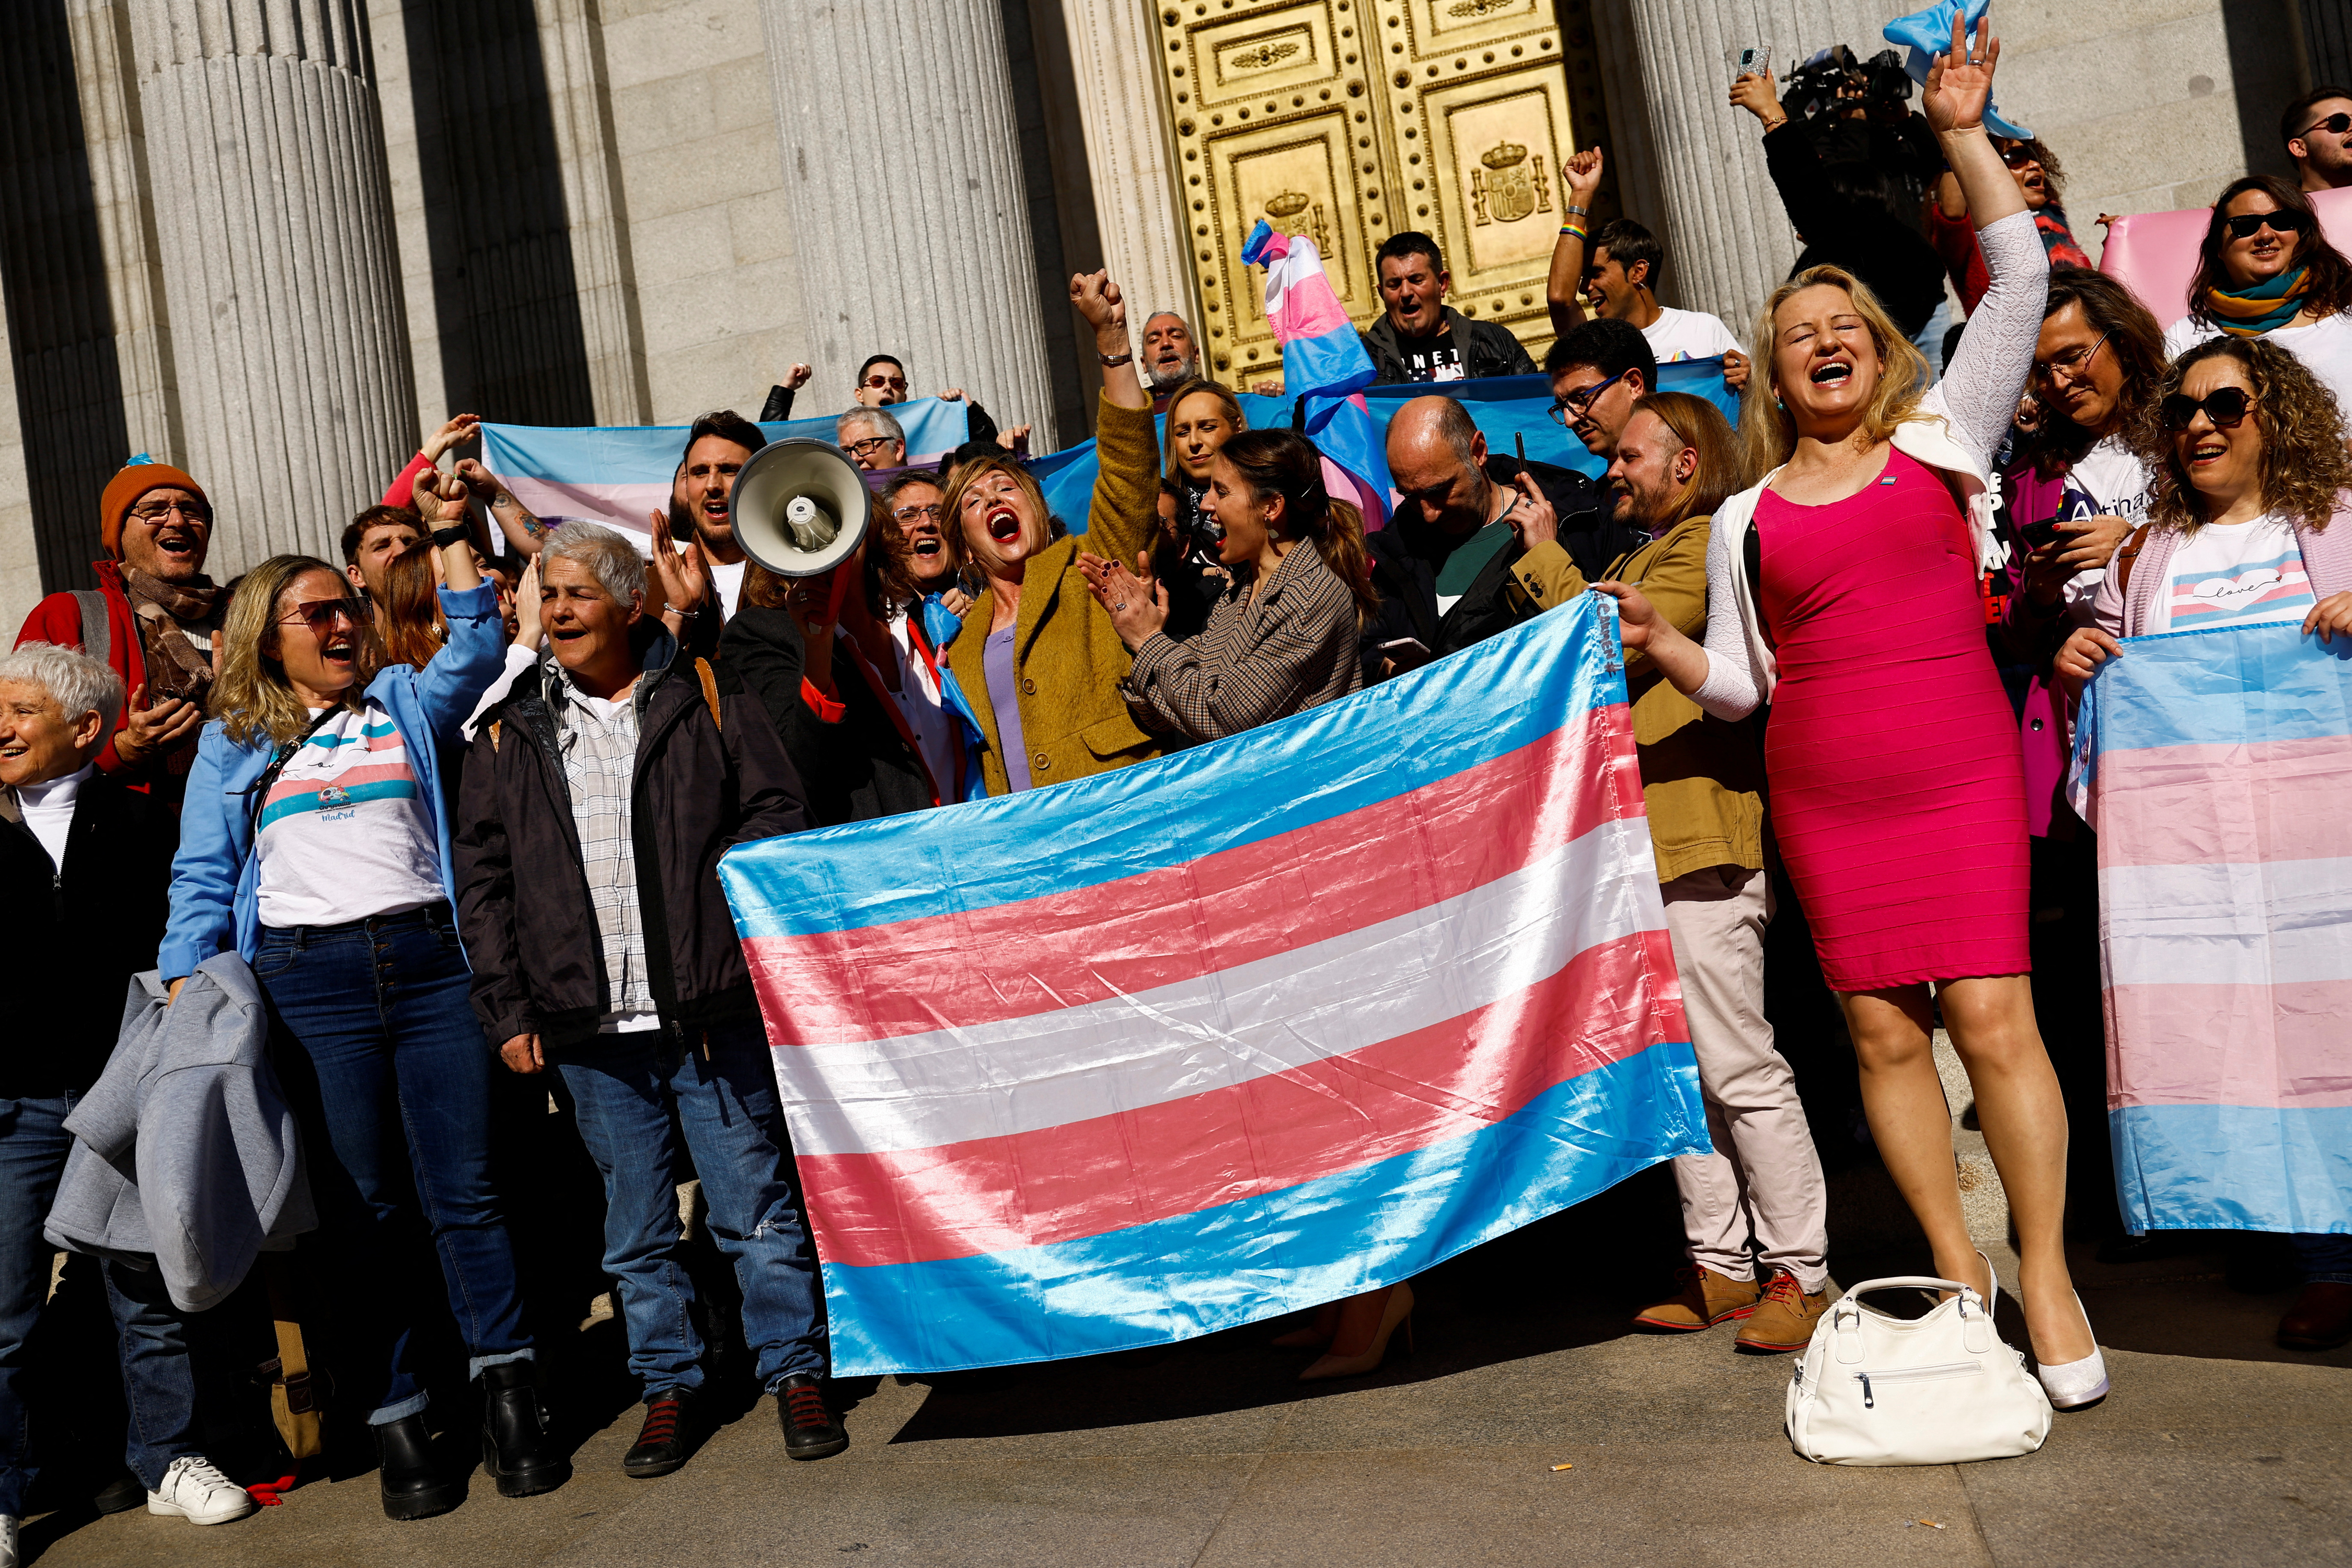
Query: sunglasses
895, 382
320, 615
2335, 125
2017, 155
2226, 406
2283, 220
1579, 402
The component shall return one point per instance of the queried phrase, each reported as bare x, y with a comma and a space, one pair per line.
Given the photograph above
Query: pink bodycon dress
1897, 787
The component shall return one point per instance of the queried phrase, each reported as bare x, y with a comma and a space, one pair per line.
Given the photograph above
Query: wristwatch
457, 532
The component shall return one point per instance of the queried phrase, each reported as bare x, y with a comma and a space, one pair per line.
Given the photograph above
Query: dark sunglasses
895, 382
2226, 406
320, 615
2282, 220
2335, 125
2017, 155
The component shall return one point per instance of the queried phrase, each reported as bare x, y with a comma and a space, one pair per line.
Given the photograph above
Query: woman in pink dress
1843, 589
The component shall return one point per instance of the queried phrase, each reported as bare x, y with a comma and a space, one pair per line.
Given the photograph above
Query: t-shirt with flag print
343, 834
2234, 575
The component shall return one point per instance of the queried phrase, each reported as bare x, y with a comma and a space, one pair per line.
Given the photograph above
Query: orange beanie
134, 479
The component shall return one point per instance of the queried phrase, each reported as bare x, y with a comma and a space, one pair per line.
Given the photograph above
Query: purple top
1005, 696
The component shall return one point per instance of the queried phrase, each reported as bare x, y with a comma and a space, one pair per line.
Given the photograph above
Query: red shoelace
661, 1421
806, 1406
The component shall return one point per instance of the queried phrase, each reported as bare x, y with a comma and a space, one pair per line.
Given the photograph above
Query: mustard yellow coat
1067, 661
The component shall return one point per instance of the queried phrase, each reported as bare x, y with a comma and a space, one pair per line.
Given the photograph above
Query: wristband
1580, 212
456, 533
1112, 361
1571, 229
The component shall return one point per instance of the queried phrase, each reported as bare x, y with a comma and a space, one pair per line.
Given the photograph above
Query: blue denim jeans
2325, 1257
398, 1076
633, 1096
160, 1390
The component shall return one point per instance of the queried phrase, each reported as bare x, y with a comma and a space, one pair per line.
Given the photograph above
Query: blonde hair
252, 698
1768, 435
980, 551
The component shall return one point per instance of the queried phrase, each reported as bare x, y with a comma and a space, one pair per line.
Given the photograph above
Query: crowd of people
370, 782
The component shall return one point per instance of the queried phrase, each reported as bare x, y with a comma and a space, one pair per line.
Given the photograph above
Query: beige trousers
1764, 1175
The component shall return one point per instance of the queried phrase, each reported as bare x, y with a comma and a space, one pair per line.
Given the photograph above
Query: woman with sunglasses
315, 846
1843, 589
2041, 180
2250, 522
2265, 270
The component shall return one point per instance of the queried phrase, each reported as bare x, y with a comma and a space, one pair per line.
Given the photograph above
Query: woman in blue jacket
315, 844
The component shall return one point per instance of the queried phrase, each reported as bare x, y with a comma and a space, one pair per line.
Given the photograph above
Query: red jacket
58, 619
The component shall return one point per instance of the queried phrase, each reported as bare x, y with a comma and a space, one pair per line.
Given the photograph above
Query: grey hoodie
185, 1154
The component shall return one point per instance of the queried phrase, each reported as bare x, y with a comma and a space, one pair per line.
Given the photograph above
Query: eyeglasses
2226, 406
2336, 124
189, 510
1579, 402
895, 382
868, 447
916, 513
2282, 220
2074, 364
320, 615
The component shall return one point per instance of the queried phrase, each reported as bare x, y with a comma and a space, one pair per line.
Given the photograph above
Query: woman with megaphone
1038, 659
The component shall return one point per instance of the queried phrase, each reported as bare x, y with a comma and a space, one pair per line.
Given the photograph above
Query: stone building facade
275, 240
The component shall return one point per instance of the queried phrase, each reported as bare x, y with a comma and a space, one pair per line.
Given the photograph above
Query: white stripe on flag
2233, 924
1324, 999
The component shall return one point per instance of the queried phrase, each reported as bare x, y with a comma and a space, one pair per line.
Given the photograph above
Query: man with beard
152, 619
2317, 130
1171, 356
702, 579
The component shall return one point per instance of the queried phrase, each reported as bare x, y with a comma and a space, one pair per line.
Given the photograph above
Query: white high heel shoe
2076, 1384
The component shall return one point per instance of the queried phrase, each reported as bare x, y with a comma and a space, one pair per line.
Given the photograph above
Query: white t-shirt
2324, 347
2233, 575
2110, 481
1687, 334
343, 831
48, 810
925, 709
728, 582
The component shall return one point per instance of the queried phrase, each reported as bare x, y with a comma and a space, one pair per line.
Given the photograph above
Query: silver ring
1120, 605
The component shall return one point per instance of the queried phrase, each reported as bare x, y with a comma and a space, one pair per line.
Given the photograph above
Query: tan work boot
1783, 1320
1705, 1299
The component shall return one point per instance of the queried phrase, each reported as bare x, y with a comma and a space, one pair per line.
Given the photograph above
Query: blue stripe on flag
2187, 1167
1241, 1262
2193, 689
1344, 757
649, 454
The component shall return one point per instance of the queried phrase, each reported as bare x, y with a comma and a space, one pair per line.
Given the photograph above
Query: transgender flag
2216, 766
1325, 366
1301, 1012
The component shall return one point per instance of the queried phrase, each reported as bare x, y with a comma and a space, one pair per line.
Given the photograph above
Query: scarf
2264, 308
175, 666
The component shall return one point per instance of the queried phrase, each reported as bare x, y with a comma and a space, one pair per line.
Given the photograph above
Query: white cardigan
1958, 424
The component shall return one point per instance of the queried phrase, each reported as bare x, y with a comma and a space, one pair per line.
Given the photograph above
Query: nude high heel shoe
1396, 1313
2076, 1384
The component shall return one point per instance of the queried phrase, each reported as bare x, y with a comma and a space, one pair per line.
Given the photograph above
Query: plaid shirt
1288, 647
600, 761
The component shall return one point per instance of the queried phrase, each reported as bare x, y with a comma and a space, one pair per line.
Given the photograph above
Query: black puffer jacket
523, 907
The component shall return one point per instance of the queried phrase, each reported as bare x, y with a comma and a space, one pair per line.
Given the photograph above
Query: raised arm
1581, 178
1124, 514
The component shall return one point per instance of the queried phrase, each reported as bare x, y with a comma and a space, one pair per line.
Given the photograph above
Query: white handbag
1875, 1389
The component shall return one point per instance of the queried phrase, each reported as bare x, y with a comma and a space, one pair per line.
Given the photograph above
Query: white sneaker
7, 1541
198, 1493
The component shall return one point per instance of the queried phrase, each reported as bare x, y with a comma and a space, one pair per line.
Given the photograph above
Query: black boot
666, 1437
414, 1486
811, 1431
515, 1449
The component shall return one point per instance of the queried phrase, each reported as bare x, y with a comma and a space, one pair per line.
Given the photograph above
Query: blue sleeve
469, 663
206, 871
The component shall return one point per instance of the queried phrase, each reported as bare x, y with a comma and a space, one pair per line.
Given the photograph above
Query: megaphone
799, 506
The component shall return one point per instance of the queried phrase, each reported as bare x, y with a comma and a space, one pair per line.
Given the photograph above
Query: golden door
1348, 120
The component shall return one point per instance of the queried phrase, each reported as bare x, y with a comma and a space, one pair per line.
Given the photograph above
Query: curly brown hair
2304, 463
2053, 172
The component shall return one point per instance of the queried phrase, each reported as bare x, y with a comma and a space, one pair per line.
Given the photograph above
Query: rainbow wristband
1571, 229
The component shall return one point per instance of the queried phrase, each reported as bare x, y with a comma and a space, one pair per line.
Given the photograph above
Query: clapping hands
1137, 602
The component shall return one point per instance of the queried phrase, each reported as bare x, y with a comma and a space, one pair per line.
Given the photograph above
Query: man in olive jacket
1702, 785
598, 797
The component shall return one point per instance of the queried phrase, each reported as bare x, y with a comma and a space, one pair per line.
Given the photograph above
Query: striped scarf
2264, 308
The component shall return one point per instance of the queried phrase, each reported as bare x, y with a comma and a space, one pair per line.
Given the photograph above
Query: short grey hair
75, 682
881, 421
607, 554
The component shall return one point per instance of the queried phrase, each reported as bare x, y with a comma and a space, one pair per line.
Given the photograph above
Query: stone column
910, 225
1114, 58
274, 224
571, 40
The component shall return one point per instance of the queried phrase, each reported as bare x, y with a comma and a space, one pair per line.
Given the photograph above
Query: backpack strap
2128, 553
96, 628
494, 737
709, 694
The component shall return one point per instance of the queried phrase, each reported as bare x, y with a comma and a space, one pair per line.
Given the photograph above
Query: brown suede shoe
2320, 1320
1783, 1320
1705, 1299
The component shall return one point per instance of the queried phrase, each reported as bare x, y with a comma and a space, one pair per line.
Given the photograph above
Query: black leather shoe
414, 1486
810, 1430
666, 1437
124, 1492
515, 1449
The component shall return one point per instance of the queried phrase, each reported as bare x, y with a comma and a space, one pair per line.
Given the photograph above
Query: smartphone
1407, 652
1756, 60
2038, 535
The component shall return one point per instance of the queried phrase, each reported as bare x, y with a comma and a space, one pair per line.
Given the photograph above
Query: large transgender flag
2216, 766
1299, 1014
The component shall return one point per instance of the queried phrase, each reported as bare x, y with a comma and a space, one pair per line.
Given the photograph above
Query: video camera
1835, 81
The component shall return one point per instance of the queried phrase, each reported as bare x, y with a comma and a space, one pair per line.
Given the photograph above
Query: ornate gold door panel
1350, 120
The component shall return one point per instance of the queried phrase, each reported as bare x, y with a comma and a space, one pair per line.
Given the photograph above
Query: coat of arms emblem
1509, 188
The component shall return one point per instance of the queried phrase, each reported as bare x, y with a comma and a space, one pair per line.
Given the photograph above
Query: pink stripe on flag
1110, 1173
2280, 1045
287, 789
1009, 961
2160, 802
